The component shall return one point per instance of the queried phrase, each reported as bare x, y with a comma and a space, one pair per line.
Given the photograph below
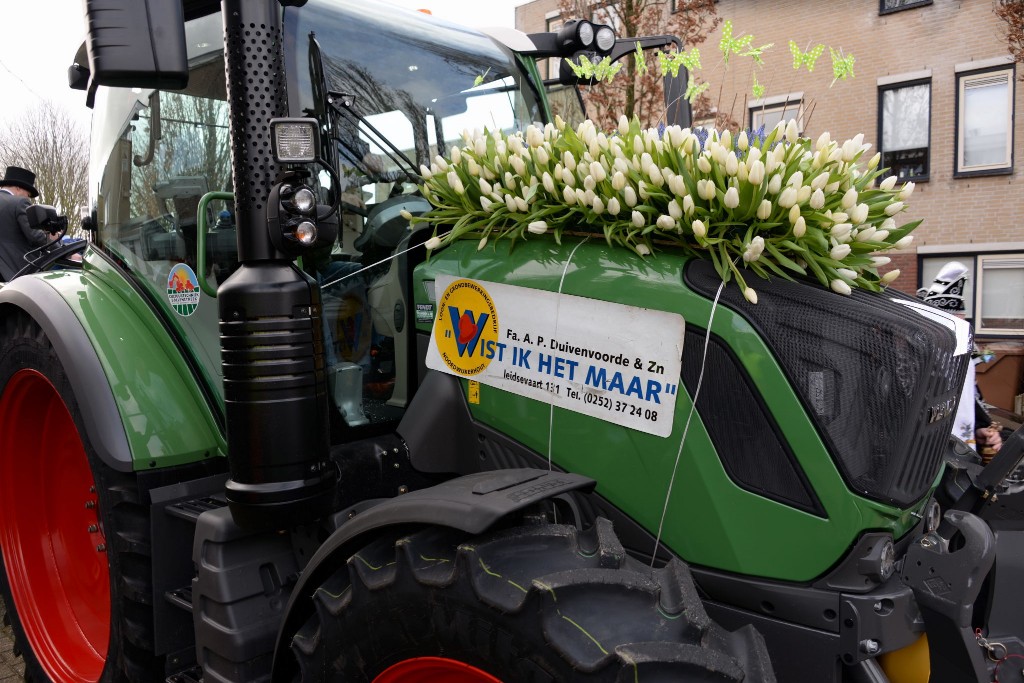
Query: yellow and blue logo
466, 328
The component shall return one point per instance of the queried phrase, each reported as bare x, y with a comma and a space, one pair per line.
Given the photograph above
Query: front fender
141, 405
471, 503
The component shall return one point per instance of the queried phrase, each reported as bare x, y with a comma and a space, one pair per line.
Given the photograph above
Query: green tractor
248, 438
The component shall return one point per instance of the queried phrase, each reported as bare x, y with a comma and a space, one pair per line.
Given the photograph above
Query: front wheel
74, 536
540, 603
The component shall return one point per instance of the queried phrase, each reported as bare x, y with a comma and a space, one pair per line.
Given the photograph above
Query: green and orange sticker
183, 290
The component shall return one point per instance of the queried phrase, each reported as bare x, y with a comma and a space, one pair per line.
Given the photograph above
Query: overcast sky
40, 39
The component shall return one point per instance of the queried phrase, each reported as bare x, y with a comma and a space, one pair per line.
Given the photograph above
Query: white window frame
963, 79
778, 103
887, 86
1012, 260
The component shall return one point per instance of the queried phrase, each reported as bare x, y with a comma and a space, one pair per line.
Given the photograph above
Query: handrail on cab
207, 288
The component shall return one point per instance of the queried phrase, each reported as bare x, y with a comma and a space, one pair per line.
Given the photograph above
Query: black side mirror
137, 43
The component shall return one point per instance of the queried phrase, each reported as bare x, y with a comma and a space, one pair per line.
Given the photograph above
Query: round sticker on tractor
466, 329
183, 290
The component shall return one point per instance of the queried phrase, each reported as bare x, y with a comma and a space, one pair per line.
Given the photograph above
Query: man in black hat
17, 188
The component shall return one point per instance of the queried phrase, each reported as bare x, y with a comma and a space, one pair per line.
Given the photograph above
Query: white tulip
549, 184
637, 219
731, 199
847, 273
405, 214
642, 249
840, 287
787, 198
521, 204
481, 244
433, 243
800, 227
704, 164
537, 227
425, 172
817, 200
890, 276
850, 198
841, 232
541, 155
629, 194
657, 179
888, 183
741, 141
791, 132
879, 261
859, 214
867, 234
840, 251
755, 172
699, 229
569, 195
750, 295
687, 204
441, 163
904, 242
675, 210
642, 190
908, 189
732, 164
597, 170
823, 141
456, 184
598, 205
618, 181
485, 203
873, 163
775, 184
665, 222
623, 125
764, 209
881, 236
893, 208
803, 194
569, 161
589, 183
794, 213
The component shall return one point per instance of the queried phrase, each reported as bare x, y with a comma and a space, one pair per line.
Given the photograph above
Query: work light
295, 141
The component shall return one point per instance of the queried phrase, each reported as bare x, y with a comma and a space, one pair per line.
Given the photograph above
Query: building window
1000, 294
889, 6
769, 111
904, 121
984, 122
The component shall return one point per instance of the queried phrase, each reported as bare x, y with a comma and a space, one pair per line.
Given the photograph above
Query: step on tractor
247, 438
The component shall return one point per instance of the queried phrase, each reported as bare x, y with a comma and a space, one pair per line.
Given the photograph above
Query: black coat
16, 237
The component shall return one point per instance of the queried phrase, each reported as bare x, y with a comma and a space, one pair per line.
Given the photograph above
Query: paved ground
11, 668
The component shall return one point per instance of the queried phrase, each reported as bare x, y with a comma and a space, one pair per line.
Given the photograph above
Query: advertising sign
610, 361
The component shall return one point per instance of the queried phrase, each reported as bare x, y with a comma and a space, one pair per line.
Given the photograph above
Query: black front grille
877, 378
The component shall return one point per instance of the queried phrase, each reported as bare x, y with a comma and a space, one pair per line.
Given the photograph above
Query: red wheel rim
50, 531
433, 670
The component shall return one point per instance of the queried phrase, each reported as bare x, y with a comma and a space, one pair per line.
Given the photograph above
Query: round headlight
605, 38
585, 33
305, 232
304, 200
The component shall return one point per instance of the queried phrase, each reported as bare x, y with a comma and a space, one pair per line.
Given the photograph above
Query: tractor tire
74, 533
542, 603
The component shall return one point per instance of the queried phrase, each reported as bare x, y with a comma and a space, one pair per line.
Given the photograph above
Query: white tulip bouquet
771, 205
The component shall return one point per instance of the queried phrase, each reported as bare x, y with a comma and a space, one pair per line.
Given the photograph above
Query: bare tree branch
1012, 12
48, 142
